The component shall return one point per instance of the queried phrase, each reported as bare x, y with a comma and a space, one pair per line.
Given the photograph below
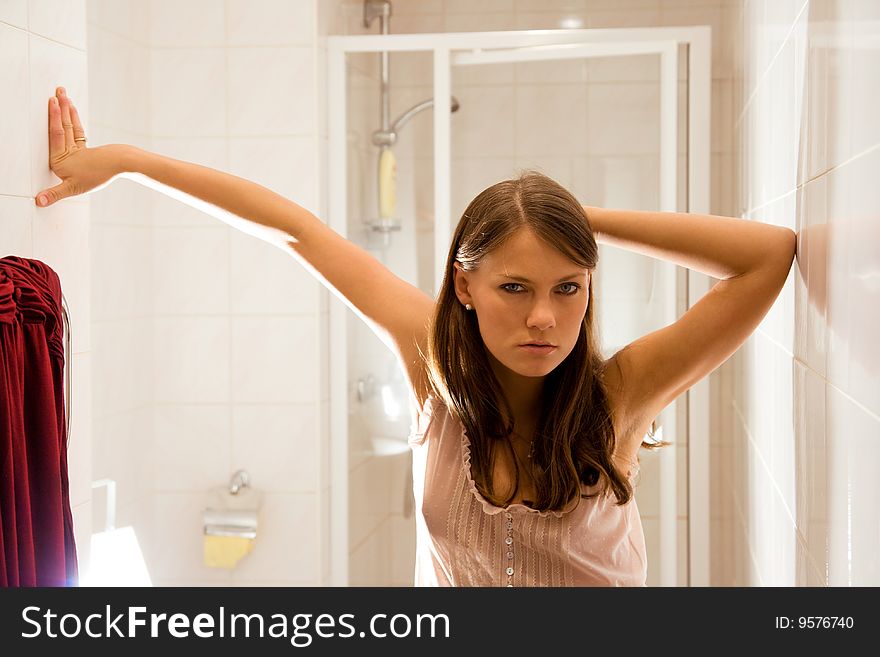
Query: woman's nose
541, 316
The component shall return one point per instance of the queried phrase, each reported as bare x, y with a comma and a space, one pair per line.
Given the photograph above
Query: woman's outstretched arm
753, 260
239, 202
394, 309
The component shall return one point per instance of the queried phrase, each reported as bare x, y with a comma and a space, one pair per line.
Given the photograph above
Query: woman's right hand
81, 169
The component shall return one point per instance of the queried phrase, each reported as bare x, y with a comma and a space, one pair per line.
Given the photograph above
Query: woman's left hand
81, 169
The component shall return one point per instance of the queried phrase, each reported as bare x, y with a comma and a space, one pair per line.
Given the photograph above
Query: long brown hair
575, 438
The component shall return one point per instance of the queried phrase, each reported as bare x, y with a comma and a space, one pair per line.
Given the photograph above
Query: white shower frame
463, 48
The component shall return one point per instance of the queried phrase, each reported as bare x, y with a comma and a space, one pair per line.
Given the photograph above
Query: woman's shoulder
422, 412
423, 400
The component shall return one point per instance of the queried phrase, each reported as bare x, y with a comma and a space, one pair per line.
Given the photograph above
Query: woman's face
526, 291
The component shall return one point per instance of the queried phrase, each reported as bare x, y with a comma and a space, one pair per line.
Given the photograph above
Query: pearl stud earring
468, 306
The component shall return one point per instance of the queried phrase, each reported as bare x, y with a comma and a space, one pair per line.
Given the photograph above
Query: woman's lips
534, 349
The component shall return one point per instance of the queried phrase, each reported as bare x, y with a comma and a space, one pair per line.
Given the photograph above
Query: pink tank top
464, 540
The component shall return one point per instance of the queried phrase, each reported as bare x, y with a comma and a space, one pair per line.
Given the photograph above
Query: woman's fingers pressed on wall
78, 131
64, 126
66, 121
56, 132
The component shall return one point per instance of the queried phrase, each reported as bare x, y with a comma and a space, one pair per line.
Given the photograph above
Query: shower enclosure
498, 76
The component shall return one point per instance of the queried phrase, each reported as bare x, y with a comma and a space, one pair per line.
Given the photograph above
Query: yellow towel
225, 551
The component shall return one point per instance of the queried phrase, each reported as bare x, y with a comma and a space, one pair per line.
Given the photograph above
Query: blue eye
574, 291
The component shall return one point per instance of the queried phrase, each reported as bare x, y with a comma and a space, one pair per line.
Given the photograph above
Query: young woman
524, 438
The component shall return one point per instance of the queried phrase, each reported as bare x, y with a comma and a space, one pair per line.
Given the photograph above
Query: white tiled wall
237, 321
800, 505
43, 46
209, 338
122, 303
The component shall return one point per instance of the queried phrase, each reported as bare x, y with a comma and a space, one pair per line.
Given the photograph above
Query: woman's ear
460, 283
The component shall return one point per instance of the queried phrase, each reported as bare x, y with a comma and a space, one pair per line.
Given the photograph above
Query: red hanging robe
37, 546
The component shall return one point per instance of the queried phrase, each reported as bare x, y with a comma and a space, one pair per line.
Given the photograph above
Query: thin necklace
531, 443
531, 451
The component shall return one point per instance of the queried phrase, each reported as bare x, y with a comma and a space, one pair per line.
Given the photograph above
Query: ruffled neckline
488, 507
430, 409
